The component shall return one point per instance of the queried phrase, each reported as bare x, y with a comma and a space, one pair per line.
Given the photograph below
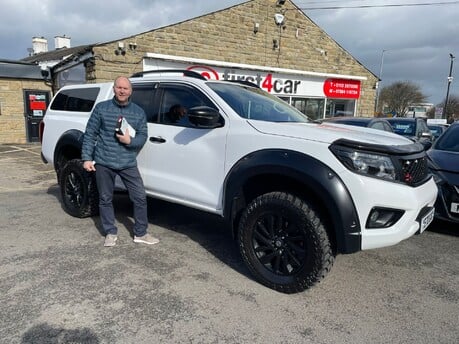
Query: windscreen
254, 103
404, 128
449, 141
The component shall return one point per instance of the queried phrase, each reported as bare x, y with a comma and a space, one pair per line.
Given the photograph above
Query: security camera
279, 18
44, 73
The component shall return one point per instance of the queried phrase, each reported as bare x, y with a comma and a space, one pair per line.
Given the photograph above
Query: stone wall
12, 120
228, 35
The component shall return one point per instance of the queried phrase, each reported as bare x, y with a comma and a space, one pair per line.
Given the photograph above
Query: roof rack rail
245, 82
185, 72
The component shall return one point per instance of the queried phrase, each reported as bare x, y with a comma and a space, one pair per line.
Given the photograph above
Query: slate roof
19, 70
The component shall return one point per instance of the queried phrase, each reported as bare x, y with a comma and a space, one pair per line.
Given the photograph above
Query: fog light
383, 217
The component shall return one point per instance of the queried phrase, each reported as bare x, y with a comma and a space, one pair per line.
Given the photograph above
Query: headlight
366, 163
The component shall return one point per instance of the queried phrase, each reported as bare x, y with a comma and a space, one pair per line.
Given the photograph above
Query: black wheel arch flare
307, 171
71, 138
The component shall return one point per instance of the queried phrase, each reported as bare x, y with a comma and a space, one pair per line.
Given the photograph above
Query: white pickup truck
294, 193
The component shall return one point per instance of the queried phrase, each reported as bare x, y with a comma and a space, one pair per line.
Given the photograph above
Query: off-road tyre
80, 197
284, 243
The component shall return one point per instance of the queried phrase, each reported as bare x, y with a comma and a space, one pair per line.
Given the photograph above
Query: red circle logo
206, 72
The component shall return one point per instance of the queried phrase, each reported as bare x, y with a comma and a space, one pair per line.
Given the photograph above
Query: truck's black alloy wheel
78, 190
284, 243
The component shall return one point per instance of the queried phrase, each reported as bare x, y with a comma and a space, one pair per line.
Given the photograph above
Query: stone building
24, 95
269, 42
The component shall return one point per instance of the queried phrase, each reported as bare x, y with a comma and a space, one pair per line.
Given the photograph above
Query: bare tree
452, 108
397, 97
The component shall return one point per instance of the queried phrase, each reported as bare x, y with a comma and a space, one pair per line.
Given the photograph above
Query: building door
35, 105
312, 107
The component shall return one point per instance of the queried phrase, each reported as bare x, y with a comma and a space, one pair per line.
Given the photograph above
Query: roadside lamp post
450, 79
378, 87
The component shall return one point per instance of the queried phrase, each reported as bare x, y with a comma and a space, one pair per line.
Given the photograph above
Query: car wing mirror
427, 144
205, 117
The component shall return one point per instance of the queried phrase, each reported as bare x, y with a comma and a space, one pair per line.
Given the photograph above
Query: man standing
110, 154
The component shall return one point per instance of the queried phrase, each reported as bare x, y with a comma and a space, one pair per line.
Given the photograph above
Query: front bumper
414, 202
369, 193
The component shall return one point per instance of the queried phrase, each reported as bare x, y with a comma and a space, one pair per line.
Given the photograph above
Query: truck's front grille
414, 171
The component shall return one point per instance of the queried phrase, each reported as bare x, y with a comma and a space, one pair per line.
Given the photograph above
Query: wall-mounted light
256, 27
121, 50
132, 46
279, 18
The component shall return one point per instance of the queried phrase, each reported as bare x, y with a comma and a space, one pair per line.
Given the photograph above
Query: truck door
181, 162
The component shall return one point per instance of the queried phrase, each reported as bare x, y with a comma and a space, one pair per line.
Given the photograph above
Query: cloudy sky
416, 36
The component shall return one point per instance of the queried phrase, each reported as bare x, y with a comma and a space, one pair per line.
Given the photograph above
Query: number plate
455, 208
427, 220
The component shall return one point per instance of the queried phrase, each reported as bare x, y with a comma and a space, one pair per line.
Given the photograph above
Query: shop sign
36, 102
342, 88
269, 82
274, 83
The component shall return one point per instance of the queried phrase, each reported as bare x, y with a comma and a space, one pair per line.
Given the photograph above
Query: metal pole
450, 79
380, 79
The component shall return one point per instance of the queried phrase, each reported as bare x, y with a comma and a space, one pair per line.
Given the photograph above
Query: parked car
437, 130
369, 122
443, 162
415, 128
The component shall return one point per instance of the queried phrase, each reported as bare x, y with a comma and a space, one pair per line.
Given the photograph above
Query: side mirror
426, 140
426, 135
427, 144
205, 117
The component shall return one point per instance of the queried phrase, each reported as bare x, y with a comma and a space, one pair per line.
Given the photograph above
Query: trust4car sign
275, 83
284, 84
270, 82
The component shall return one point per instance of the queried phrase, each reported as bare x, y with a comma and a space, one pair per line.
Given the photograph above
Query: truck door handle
158, 139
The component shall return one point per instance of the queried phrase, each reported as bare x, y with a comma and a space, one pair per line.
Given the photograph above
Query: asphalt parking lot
60, 285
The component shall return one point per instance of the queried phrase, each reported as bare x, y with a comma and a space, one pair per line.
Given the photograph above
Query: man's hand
126, 139
89, 166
